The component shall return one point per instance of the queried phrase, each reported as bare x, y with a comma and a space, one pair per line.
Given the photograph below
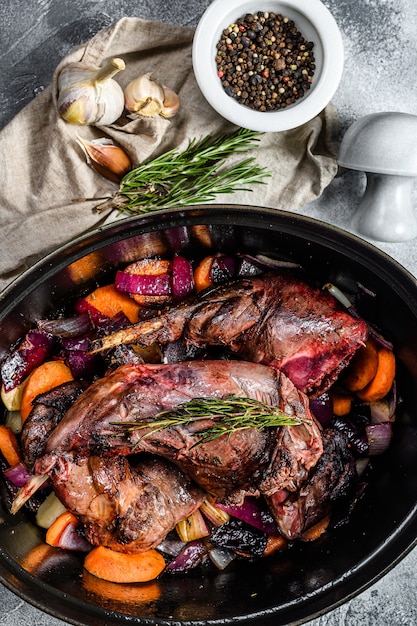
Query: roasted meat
126, 505
48, 410
230, 467
275, 319
333, 478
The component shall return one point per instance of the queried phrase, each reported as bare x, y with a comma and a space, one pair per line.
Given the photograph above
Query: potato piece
12, 399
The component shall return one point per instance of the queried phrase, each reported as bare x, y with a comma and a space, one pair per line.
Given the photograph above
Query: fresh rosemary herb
227, 415
195, 175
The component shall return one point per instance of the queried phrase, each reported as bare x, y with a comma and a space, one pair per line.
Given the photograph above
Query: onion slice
67, 326
31, 352
182, 277
189, 557
322, 408
254, 512
144, 284
222, 269
379, 437
17, 474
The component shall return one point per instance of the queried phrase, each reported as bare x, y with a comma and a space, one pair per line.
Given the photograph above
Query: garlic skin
147, 97
106, 158
90, 96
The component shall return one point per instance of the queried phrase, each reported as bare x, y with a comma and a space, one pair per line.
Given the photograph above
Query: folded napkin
45, 175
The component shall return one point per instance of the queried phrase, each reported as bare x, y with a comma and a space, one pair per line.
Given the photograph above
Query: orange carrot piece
362, 367
9, 446
56, 529
119, 567
314, 532
85, 268
383, 379
202, 233
45, 377
342, 404
149, 267
109, 301
274, 543
202, 277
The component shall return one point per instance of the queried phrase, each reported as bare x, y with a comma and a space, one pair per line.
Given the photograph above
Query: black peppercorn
264, 62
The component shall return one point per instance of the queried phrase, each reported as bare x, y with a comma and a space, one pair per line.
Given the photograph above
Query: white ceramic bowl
315, 23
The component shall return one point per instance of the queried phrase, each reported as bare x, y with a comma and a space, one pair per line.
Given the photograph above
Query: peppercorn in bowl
268, 66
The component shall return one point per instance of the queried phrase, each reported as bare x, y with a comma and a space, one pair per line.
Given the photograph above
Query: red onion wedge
322, 408
144, 284
189, 557
31, 352
17, 474
182, 278
222, 269
379, 437
70, 539
67, 326
254, 512
177, 237
82, 364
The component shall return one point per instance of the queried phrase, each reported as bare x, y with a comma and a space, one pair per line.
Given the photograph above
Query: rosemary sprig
193, 176
229, 415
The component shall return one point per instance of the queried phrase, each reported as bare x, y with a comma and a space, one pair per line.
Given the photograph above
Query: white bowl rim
220, 14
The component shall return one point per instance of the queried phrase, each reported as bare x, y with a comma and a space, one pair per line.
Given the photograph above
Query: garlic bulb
87, 95
106, 158
147, 97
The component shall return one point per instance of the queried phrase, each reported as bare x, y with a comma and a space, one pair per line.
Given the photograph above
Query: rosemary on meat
230, 415
195, 175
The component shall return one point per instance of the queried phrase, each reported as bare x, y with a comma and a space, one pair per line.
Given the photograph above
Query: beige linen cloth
45, 174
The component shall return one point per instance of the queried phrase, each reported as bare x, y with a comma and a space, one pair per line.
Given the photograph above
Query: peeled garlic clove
171, 103
144, 96
89, 95
106, 158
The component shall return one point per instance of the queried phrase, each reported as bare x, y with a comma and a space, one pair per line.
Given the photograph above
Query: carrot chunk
274, 543
109, 301
383, 379
9, 446
202, 273
45, 377
362, 367
342, 403
85, 268
119, 567
314, 532
57, 528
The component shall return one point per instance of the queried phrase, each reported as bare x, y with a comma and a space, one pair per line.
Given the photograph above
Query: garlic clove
144, 96
106, 158
171, 103
89, 95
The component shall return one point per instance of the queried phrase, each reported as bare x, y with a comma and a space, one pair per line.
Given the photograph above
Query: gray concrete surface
380, 38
